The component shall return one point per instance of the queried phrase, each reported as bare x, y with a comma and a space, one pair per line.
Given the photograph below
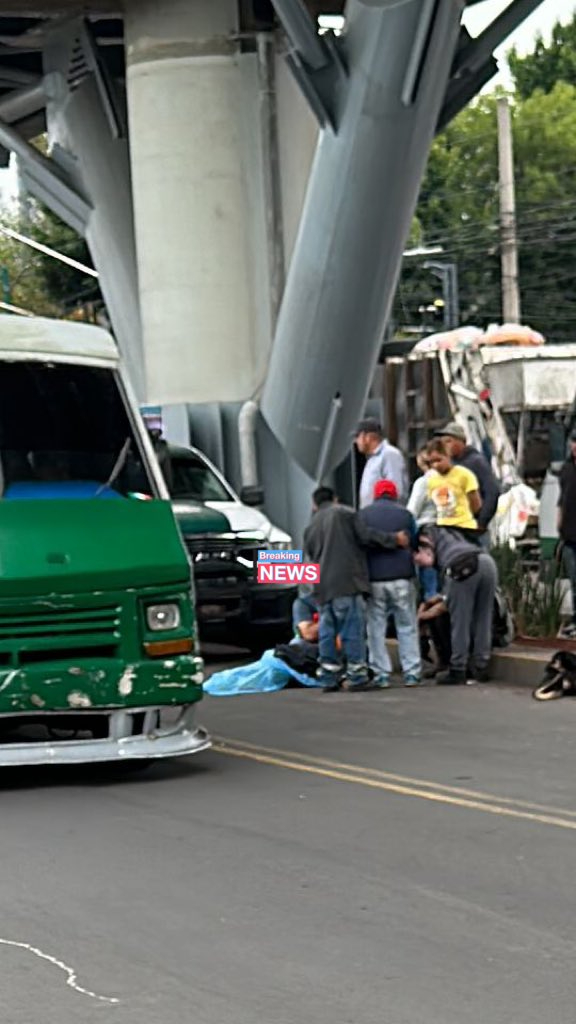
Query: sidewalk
517, 665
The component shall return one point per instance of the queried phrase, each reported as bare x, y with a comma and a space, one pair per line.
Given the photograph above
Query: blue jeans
343, 617
396, 598
429, 583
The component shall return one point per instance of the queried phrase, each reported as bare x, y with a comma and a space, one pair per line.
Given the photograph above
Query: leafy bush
535, 595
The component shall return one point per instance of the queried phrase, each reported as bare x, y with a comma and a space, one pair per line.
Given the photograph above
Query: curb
513, 666
520, 667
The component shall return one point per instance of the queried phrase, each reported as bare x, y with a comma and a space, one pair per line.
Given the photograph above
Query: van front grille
53, 634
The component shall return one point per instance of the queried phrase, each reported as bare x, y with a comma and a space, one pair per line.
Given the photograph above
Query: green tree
21, 282
459, 210
548, 63
39, 283
67, 288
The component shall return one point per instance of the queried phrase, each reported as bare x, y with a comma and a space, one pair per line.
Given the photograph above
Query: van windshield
193, 480
65, 432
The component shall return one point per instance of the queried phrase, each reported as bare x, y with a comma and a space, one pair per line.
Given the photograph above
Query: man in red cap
393, 590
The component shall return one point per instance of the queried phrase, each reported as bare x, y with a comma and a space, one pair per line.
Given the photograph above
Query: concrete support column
201, 235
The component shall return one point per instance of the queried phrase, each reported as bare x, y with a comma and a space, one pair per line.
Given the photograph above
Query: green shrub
535, 595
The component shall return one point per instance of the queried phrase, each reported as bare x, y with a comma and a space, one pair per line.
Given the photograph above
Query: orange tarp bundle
512, 334
463, 338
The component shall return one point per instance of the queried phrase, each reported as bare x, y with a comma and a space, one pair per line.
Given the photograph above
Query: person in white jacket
419, 503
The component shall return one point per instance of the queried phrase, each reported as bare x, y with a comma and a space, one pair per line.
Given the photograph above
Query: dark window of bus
61, 422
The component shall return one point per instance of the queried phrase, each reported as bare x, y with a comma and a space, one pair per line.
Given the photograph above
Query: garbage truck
516, 403
99, 657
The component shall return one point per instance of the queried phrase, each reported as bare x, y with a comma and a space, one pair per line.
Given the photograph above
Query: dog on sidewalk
559, 678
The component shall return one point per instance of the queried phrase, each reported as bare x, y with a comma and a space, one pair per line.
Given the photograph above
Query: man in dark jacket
463, 454
337, 539
393, 592
469, 581
567, 524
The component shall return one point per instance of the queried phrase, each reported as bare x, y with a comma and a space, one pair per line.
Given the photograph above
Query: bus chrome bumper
179, 738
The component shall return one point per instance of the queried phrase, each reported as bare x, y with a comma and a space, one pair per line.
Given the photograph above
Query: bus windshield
65, 432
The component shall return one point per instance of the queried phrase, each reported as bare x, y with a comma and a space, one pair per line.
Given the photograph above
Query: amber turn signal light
164, 648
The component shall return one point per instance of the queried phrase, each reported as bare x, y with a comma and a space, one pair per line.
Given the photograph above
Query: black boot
451, 677
479, 674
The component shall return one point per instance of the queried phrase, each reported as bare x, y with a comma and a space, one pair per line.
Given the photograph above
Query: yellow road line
390, 787
377, 773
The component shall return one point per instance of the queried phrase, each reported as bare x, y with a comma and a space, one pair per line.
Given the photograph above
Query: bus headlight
160, 617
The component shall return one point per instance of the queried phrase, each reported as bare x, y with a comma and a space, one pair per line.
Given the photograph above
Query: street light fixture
448, 274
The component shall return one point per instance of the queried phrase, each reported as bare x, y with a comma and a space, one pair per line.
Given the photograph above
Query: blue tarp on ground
264, 676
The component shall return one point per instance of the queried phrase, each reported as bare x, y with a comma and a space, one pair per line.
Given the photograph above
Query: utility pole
509, 245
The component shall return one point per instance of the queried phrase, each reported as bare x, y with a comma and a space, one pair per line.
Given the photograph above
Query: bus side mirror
252, 495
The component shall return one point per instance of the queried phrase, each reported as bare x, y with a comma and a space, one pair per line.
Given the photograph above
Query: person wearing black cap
567, 524
383, 461
463, 454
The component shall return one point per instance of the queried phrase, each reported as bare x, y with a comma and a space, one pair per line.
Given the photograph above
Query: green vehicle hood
86, 545
194, 517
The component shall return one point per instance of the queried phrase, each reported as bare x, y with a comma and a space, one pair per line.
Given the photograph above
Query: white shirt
420, 504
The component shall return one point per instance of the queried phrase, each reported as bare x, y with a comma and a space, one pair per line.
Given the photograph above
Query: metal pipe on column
271, 169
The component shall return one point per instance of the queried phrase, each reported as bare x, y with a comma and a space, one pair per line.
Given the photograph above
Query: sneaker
451, 677
412, 681
568, 632
382, 682
330, 676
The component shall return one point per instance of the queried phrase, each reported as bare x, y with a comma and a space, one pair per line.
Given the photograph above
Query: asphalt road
395, 858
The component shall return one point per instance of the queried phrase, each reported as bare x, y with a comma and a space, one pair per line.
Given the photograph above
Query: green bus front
98, 645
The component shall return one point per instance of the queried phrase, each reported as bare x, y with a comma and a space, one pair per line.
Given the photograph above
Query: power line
47, 251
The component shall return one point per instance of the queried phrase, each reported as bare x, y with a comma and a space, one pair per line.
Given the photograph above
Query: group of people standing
419, 558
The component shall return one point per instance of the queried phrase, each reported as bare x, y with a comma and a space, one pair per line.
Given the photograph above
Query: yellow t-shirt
450, 496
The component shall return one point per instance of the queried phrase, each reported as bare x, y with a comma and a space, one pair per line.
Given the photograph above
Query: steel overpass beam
361, 198
315, 61
47, 181
475, 64
86, 144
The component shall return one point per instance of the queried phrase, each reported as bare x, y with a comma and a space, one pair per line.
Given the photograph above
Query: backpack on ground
302, 657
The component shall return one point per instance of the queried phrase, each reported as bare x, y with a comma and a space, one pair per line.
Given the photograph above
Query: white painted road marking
72, 982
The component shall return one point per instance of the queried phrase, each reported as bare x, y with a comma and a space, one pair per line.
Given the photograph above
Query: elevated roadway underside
246, 194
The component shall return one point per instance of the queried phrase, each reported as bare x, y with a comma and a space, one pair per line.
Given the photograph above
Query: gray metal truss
318, 63
475, 64
47, 181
